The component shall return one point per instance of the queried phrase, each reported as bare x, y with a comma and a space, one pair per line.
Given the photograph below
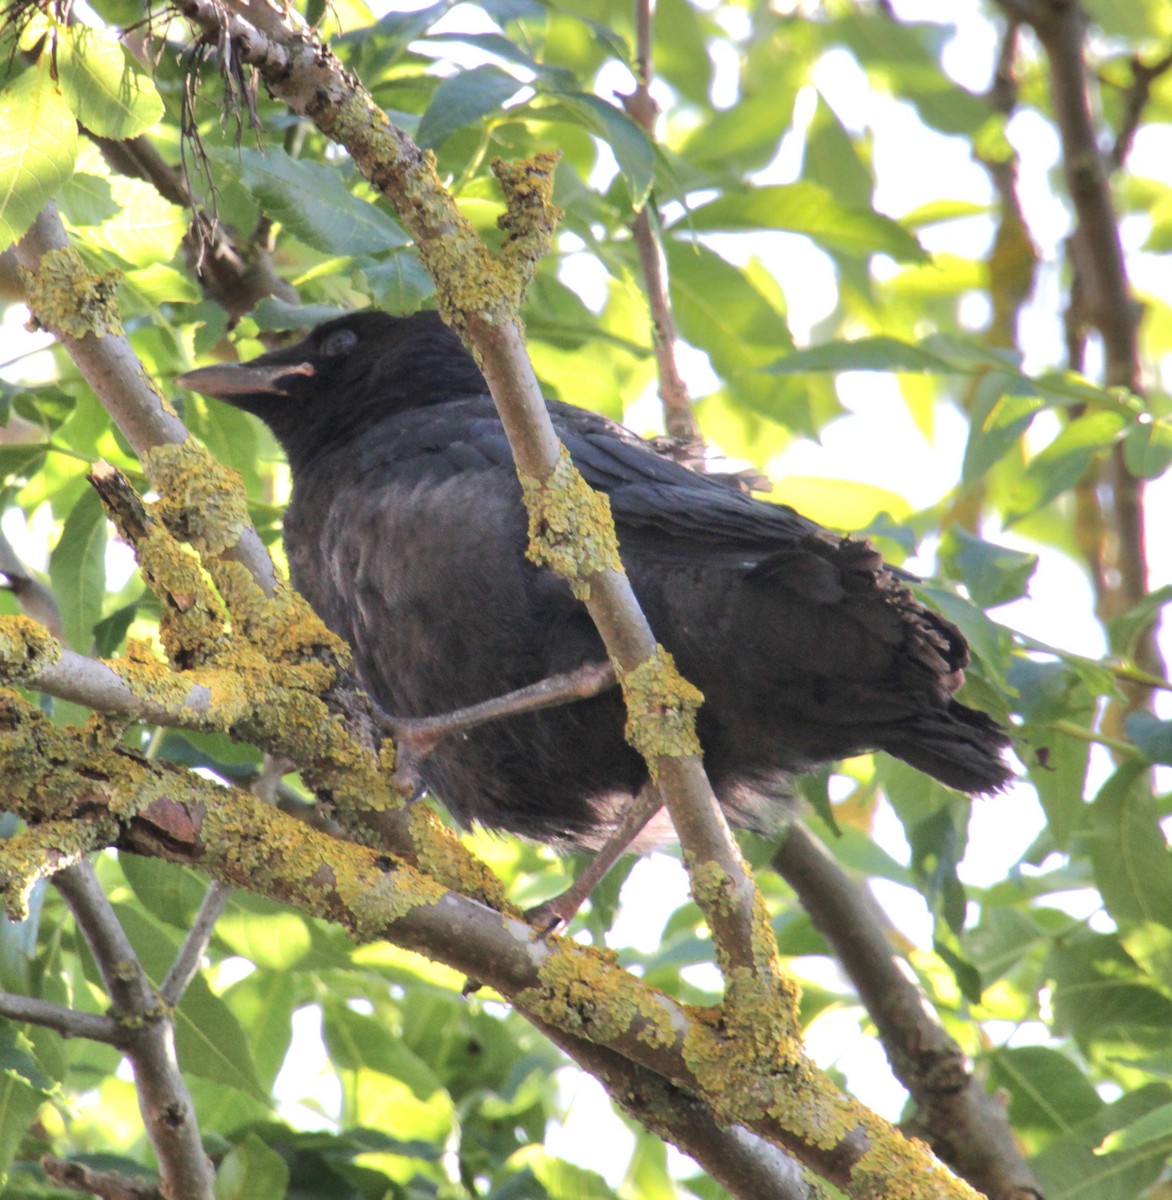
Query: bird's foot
416, 737
553, 914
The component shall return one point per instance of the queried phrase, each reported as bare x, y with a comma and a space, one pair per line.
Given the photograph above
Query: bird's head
344, 377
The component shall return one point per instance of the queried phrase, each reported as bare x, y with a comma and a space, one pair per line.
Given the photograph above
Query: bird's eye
340, 341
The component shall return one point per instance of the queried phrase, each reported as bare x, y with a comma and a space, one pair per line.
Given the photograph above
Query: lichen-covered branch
746, 1166
745, 1067
78, 308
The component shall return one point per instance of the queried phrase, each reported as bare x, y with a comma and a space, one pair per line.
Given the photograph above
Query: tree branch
746, 1166
89, 329
148, 1040
106, 1185
66, 1021
1104, 298
747, 1068
679, 419
966, 1126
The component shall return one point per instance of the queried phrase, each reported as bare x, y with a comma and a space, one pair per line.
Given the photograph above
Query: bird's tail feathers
959, 746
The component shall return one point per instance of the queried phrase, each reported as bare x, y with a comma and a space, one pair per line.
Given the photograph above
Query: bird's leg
561, 909
416, 737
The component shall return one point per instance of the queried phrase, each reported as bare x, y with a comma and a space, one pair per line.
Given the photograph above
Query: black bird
407, 534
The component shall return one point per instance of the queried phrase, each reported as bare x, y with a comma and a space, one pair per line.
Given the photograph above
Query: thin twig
68, 1022
187, 961
679, 419
106, 1185
416, 737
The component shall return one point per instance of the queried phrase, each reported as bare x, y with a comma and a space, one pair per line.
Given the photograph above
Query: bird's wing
665, 512
672, 511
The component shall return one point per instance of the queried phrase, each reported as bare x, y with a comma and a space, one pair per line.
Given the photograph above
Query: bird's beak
225, 380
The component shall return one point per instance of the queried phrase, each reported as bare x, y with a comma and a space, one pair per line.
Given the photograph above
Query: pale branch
148, 1039
35, 599
106, 1185
68, 1022
96, 685
480, 298
966, 1126
112, 369
745, 1165
190, 957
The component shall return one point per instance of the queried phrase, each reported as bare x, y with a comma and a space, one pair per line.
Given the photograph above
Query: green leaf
1100, 992
18, 1106
168, 891
1070, 1169
1125, 629
832, 160
1047, 692
632, 148
1147, 448
1133, 865
109, 93
561, 1180
313, 203
1001, 415
251, 1170
264, 1003
146, 231
863, 354
1064, 461
211, 1043
18, 1062
1047, 1091
463, 98
77, 570
1153, 1126
807, 208
38, 147
992, 574
355, 1040
1151, 735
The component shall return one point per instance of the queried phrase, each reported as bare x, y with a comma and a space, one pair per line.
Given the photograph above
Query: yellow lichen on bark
587, 993
200, 501
26, 648
571, 530
661, 709
64, 294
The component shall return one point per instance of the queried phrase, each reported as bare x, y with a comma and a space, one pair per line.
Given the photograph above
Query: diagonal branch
966, 1126
93, 338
